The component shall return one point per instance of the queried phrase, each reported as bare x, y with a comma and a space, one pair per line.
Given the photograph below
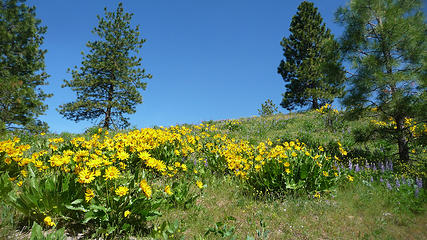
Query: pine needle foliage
385, 40
311, 69
109, 81
21, 68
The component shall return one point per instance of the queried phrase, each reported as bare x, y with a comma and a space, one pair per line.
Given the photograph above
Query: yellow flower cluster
415, 129
326, 108
102, 158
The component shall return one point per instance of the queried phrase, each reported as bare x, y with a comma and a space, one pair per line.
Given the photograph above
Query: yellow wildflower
48, 221
199, 184
145, 188
121, 191
24, 173
86, 176
127, 213
89, 194
317, 195
144, 155
168, 190
122, 155
122, 165
111, 173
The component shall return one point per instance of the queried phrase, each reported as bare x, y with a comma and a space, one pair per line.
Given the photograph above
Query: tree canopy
385, 41
311, 68
108, 82
21, 68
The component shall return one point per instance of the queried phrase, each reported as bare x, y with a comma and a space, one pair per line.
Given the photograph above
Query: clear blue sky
210, 60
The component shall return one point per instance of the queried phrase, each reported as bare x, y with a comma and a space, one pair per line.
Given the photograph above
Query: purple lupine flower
382, 167
389, 165
397, 183
389, 186
350, 165
367, 166
381, 179
195, 162
357, 169
372, 179
206, 162
374, 167
419, 182
417, 191
403, 181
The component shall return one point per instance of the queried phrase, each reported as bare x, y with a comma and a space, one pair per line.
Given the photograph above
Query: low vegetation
301, 175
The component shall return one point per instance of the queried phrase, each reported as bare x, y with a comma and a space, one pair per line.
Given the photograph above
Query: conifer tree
108, 82
21, 68
311, 68
385, 40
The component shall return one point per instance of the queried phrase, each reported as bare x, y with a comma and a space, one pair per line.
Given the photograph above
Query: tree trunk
107, 118
315, 104
402, 141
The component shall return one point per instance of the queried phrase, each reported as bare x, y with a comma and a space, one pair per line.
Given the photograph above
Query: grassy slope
355, 211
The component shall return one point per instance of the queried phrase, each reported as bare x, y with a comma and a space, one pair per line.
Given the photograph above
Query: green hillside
306, 175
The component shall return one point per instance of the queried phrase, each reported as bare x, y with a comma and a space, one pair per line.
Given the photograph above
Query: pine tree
108, 83
311, 68
385, 40
21, 68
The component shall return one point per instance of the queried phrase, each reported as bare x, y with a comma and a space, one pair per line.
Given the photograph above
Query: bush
268, 108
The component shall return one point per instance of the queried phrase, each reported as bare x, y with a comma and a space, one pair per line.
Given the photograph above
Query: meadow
306, 175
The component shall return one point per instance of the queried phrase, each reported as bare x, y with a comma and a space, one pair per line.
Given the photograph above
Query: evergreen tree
385, 40
108, 83
21, 68
311, 68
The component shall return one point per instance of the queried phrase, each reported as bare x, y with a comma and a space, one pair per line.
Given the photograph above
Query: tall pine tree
311, 68
21, 68
386, 42
108, 83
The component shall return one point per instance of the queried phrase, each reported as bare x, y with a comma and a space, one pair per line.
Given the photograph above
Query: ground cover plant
138, 182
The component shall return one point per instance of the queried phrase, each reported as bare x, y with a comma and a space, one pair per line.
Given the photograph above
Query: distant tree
268, 108
21, 68
311, 68
385, 40
108, 83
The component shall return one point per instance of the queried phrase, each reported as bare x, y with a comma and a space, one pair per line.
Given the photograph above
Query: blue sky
210, 60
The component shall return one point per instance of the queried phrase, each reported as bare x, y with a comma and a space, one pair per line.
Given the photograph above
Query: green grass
355, 211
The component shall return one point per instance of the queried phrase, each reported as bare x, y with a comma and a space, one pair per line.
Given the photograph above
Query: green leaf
77, 201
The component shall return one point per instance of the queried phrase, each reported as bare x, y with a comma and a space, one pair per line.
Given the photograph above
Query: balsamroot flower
121, 191
127, 213
89, 194
199, 184
168, 190
145, 188
48, 221
111, 173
